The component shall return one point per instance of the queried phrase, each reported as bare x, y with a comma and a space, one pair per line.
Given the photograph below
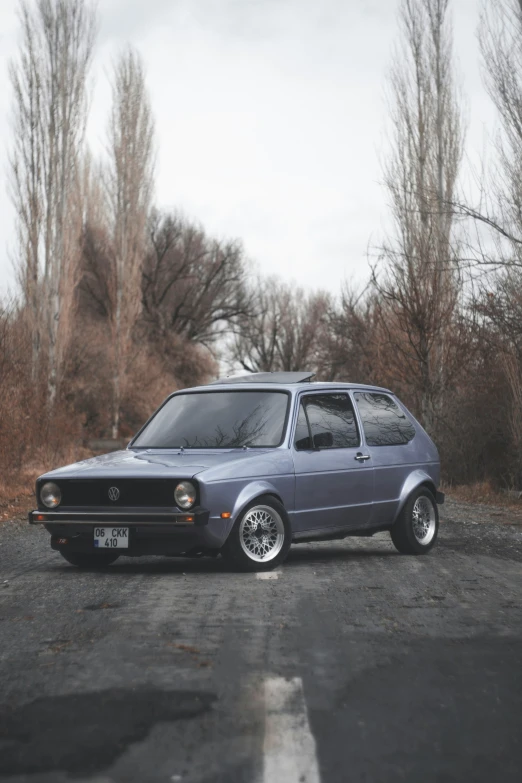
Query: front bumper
197, 516
151, 532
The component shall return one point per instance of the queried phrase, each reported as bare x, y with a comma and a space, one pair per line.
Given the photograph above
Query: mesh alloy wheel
423, 520
416, 528
261, 534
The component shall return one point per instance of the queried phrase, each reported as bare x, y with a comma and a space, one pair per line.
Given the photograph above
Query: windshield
217, 420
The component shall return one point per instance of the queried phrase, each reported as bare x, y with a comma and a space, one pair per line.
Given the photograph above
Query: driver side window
330, 421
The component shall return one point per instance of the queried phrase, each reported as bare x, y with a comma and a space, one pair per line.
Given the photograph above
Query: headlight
50, 495
185, 494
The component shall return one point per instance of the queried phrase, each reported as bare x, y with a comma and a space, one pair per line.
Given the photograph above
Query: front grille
132, 492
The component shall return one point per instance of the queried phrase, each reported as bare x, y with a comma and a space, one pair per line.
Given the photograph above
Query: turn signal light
40, 517
225, 515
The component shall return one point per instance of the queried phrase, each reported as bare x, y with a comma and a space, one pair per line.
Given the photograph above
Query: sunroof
267, 377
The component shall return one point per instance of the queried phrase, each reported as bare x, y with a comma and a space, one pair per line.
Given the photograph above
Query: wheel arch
416, 479
274, 495
430, 484
248, 494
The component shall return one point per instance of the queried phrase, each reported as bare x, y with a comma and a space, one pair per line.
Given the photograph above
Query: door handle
361, 457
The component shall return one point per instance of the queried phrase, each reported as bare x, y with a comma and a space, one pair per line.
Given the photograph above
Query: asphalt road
350, 663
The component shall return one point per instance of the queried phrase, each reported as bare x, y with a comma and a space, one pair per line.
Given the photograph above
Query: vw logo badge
114, 493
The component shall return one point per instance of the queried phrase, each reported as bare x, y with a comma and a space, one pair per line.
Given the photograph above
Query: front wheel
260, 538
90, 559
416, 528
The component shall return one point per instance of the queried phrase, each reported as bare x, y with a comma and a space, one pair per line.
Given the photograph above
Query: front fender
413, 481
250, 492
233, 496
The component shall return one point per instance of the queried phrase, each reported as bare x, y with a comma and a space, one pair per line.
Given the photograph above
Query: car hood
153, 463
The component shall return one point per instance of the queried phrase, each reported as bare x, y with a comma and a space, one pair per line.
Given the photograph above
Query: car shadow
145, 565
300, 554
312, 553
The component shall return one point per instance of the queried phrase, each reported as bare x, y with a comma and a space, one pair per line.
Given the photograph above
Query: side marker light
225, 515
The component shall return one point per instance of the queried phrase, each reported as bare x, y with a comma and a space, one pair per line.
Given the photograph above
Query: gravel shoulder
156, 668
477, 527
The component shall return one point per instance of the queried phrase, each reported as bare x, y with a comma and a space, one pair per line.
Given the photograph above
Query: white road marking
267, 574
289, 746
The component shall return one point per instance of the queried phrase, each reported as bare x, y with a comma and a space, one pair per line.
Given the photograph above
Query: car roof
287, 381
310, 386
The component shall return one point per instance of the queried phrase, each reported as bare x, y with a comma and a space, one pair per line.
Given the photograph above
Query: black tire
235, 553
403, 534
90, 559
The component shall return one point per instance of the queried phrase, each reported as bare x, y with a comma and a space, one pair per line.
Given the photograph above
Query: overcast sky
270, 120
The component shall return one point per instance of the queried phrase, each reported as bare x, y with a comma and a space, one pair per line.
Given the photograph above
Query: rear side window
332, 422
384, 423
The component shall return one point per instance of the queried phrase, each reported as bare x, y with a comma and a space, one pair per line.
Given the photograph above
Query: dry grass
483, 492
16, 500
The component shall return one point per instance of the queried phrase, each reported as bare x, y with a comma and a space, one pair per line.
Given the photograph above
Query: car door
333, 478
389, 435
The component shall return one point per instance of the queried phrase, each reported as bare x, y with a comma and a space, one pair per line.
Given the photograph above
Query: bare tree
498, 298
283, 331
26, 175
97, 265
500, 37
349, 344
49, 84
194, 286
420, 286
130, 185
499, 301
500, 206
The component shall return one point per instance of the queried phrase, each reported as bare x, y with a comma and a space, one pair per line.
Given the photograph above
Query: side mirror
323, 440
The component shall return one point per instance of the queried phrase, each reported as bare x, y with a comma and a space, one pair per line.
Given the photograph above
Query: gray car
246, 466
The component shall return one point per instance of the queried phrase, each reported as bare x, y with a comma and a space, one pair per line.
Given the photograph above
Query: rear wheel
260, 538
416, 528
90, 559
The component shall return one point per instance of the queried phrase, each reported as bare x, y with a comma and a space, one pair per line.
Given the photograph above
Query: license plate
111, 537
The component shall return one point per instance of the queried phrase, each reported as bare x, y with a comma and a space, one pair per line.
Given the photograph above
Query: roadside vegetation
118, 302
